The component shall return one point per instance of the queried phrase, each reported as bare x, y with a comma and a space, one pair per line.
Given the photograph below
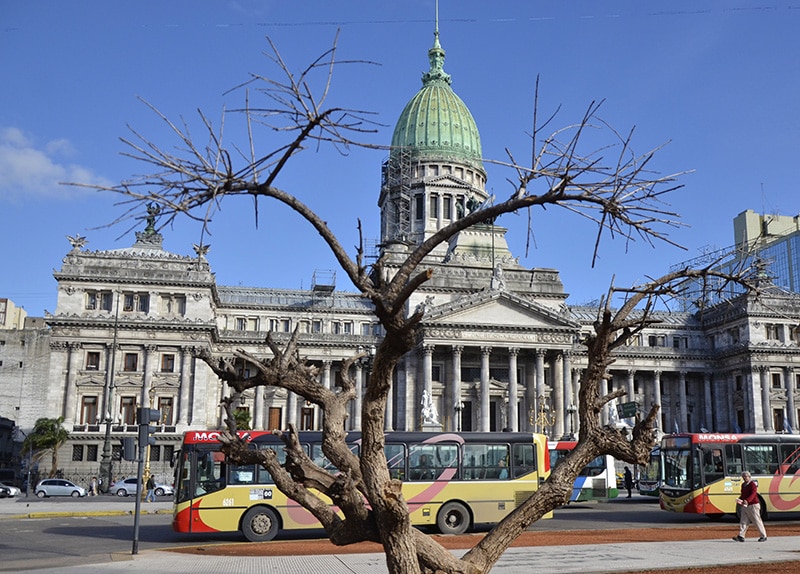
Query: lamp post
571, 410
146, 474
459, 406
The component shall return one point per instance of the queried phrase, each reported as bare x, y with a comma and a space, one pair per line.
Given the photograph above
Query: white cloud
29, 170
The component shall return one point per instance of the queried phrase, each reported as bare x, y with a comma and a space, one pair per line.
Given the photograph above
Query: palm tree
47, 435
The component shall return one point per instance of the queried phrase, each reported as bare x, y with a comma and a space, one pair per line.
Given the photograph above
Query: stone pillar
513, 407
456, 388
486, 352
657, 400
708, 411
325, 376
558, 395
258, 409
684, 413
630, 390
540, 391
148, 389
71, 394
576, 384
730, 385
184, 398
766, 408
291, 409
359, 396
530, 397
788, 384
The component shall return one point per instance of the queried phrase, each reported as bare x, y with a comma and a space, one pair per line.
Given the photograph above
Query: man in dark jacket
750, 509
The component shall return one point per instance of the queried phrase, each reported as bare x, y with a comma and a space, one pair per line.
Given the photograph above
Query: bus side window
524, 461
733, 459
790, 459
396, 460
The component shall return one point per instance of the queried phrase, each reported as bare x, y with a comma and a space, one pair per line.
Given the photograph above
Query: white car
128, 486
59, 487
12, 490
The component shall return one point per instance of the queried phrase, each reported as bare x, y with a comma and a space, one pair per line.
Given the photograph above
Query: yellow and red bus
701, 472
451, 481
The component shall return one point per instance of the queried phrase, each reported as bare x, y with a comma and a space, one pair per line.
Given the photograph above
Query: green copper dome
436, 124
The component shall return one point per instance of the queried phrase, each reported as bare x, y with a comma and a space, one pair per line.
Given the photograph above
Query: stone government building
498, 346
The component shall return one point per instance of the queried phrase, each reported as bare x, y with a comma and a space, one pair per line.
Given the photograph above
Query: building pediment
447, 180
495, 309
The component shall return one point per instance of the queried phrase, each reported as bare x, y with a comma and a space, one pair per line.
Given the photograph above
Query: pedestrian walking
93, 486
151, 489
628, 480
750, 508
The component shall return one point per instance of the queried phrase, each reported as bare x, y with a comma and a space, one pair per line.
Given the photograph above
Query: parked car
13, 490
128, 486
59, 487
5, 492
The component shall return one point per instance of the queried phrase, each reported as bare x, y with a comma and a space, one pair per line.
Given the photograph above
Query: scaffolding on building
397, 190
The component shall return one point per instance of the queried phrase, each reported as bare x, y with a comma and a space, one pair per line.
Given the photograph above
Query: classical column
576, 386
530, 397
457, 404
630, 389
788, 384
684, 413
657, 399
147, 379
708, 410
766, 409
558, 395
258, 409
359, 396
291, 409
185, 385
486, 352
511, 424
326, 383
540, 392
730, 384
71, 392
427, 369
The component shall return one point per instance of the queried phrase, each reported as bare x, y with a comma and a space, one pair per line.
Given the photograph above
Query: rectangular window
91, 452
241, 324
167, 363
252, 324
77, 452
92, 360
656, 341
776, 384
307, 418
433, 209
127, 410
155, 453
105, 301
366, 329
91, 300
447, 207
286, 325
173, 304
316, 326
88, 410
436, 373
136, 302
131, 362
761, 458
165, 408
347, 328
336, 328
419, 207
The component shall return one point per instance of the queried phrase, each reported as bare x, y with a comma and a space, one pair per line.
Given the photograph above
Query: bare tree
620, 195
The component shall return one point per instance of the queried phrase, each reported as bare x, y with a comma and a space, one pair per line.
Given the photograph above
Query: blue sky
719, 81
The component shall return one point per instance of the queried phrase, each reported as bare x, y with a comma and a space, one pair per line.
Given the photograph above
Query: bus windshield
677, 465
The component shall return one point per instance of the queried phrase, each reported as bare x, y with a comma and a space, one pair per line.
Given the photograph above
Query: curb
67, 514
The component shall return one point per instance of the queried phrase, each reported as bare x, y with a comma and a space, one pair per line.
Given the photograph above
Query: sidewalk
596, 559
602, 558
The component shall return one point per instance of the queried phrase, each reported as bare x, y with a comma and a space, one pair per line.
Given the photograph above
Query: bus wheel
260, 524
453, 518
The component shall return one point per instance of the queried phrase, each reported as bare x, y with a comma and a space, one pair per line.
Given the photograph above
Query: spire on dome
436, 58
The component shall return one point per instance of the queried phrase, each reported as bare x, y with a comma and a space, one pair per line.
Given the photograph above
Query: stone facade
498, 347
